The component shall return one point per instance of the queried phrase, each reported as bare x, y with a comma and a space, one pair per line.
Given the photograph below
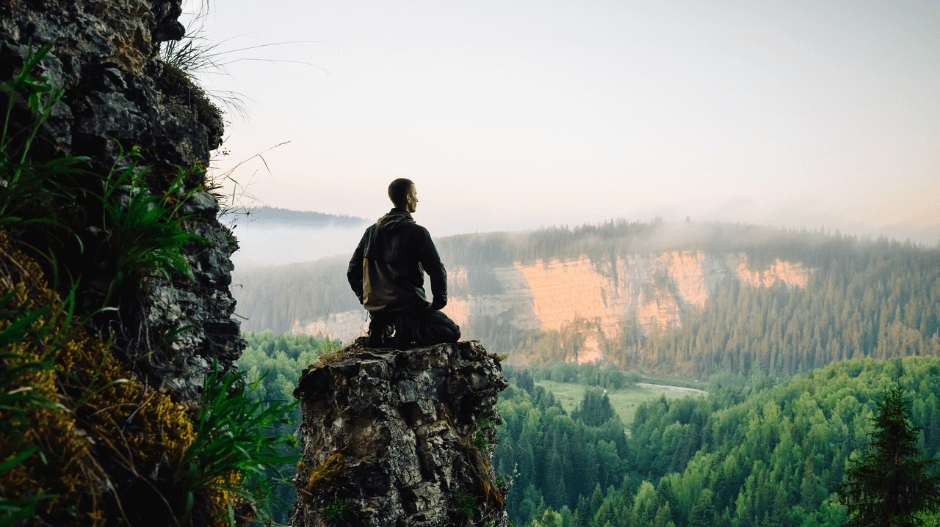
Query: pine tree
891, 485
703, 512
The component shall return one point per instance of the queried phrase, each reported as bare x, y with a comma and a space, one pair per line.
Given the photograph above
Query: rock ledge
400, 438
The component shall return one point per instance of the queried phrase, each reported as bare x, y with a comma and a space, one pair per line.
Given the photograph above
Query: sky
513, 114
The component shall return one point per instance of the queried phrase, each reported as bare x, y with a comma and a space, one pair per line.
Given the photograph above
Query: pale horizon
514, 115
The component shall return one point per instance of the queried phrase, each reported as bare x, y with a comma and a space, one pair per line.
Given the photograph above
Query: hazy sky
511, 114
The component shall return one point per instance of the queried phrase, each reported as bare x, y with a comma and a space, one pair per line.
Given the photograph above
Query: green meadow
624, 401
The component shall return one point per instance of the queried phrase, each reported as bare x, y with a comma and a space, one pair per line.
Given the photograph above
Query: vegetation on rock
86, 435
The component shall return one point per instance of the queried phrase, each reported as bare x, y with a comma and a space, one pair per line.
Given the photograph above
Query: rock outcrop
140, 307
118, 96
400, 438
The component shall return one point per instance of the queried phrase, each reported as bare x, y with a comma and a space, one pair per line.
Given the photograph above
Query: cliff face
652, 291
119, 96
116, 361
400, 438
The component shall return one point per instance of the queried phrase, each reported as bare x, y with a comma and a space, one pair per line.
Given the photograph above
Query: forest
751, 453
865, 298
273, 364
754, 452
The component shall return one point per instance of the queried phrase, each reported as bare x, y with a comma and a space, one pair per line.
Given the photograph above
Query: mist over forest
790, 343
783, 301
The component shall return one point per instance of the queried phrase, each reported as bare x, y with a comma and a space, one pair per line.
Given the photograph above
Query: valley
684, 300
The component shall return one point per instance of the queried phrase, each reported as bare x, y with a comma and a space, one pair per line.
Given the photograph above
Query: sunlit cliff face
650, 291
654, 288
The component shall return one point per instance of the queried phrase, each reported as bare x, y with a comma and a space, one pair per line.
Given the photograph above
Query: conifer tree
891, 485
703, 512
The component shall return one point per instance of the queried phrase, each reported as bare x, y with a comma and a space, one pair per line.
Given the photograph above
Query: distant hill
274, 215
677, 299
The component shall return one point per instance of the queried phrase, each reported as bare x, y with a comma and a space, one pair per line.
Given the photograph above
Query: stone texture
119, 94
391, 434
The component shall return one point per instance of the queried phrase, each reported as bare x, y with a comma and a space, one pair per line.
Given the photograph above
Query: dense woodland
754, 451
751, 453
865, 298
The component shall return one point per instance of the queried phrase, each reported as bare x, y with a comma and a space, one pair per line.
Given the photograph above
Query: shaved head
398, 191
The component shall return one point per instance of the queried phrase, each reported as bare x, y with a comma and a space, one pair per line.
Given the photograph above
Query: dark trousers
411, 329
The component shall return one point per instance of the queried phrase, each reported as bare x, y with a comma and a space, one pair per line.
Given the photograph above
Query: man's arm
431, 261
354, 270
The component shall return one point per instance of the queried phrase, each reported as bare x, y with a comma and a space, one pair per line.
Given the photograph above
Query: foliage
26, 184
595, 409
19, 404
145, 230
71, 414
336, 508
66, 403
891, 485
236, 437
466, 503
745, 455
554, 458
273, 364
482, 432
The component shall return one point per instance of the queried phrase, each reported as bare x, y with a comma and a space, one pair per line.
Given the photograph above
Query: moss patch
324, 476
89, 411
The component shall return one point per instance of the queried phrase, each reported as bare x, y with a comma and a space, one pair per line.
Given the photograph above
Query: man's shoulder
418, 228
370, 229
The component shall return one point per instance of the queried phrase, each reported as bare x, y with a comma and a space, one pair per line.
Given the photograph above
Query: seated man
387, 274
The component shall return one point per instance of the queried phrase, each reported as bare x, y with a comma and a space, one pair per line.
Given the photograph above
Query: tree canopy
893, 483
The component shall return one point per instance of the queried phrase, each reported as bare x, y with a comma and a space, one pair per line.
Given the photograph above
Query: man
387, 274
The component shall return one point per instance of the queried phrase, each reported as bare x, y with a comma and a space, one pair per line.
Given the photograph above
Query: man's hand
438, 303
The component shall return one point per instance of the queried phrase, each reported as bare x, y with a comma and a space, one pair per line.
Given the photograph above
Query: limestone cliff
400, 438
650, 291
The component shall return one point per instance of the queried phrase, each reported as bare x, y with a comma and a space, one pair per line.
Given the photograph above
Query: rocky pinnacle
400, 438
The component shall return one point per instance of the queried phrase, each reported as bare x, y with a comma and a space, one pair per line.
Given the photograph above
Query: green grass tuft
466, 503
336, 508
234, 441
145, 230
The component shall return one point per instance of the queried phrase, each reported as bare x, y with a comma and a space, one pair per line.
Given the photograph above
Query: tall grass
145, 230
24, 184
236, 439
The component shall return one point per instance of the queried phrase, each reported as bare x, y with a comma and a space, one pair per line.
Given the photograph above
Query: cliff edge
400, 438
114, 271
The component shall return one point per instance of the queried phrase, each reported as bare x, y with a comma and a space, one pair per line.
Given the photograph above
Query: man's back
387, 270
387, 274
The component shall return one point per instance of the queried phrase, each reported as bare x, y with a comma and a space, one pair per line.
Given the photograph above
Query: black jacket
387, 270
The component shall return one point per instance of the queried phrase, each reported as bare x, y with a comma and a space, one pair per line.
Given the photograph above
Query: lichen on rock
399, 438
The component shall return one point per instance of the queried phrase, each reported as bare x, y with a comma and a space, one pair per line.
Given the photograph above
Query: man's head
403, 194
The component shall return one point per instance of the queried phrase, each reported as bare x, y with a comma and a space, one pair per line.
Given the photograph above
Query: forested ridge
267, 215
864, 298
751, 453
